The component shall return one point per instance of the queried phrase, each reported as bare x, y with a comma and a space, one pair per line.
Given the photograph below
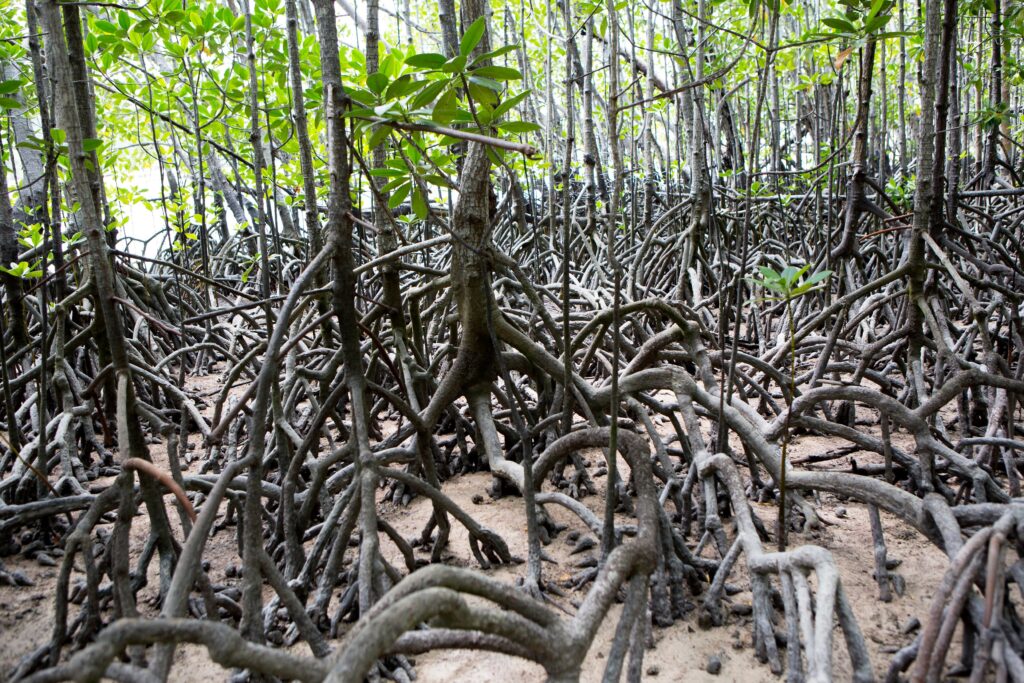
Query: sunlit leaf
377, 82
518, 126
471, 36
426, 60
840, 24
498, 73
107, 26
419, 204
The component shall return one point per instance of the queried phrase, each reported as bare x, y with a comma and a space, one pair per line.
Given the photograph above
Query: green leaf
872, 25
385, 109
403, 86
7, 87
496, 155
107, 26
437, 180
16, 269
31, 143
429, 94
9, 103
518, 126
471, 36
24, 270
483, 94
124, 20
799, 290
508, 104
377, 82
485, 82
91, 144
393, 184
818, 277
840, 24
399, 196
426, 60
419, 204
364, 97
378, 136
454, 65
445, 109
386, 172
498, 73
876, 7
789, 275
494, 53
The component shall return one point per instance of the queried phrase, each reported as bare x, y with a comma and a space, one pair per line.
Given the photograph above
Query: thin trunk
339, 228
856, 199
252, 575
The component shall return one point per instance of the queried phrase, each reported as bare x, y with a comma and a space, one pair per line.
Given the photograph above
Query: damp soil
680, 652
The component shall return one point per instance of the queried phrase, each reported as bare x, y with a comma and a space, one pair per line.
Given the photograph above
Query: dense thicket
425, 239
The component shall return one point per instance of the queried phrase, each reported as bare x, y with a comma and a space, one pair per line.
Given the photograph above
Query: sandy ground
680, 652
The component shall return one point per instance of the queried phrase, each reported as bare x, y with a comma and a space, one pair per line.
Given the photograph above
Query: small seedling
788, 286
